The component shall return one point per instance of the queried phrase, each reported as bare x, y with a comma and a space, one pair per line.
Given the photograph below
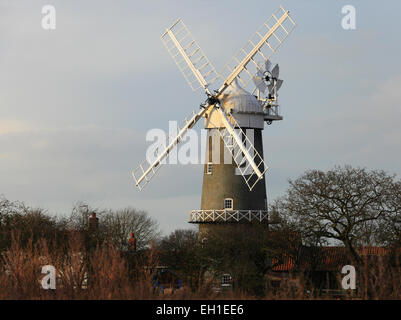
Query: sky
76, 102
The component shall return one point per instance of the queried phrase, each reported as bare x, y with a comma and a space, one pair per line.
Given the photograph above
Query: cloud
55, 168
9, 126
67, 163
75, 103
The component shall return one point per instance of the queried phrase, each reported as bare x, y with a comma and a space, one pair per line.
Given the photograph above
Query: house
318, 267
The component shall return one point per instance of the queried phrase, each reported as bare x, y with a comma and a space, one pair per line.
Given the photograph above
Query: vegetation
349, 207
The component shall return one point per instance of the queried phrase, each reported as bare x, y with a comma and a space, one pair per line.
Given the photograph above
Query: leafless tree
8, 207
118, 225
181, 252
344, 205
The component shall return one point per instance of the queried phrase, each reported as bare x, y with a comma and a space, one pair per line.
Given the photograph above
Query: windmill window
209, 168
226, 280
228, 203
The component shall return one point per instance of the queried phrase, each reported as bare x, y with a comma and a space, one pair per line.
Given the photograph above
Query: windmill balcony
214, 216
272, 113
269, 114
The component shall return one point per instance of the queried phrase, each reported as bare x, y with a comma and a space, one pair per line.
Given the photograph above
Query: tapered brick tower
226, 197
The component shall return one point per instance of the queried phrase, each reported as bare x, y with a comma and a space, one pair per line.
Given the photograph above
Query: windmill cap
237, 99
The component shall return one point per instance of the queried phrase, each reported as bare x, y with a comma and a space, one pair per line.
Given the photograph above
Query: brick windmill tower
234, 116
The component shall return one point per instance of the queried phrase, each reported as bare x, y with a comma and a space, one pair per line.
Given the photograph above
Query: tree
118, 225
284, 240
16, 219
239, 249
8, 208
79, 217
181, 252
344, 205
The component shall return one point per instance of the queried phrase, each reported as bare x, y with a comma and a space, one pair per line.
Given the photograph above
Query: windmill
230, 191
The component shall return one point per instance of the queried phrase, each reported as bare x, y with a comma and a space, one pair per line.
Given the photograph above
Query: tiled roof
375, 251
323, 258
287, 263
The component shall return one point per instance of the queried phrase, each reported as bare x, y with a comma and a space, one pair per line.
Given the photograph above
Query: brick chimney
132, 242
93, 223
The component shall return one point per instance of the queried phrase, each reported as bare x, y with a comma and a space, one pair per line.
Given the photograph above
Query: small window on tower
209, 168
226, 280
228, 204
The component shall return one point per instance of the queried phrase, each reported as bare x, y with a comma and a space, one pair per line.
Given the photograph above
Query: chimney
93, 223
132, 242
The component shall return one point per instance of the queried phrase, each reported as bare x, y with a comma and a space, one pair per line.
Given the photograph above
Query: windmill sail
276, 71
189, 57
245, 64
199, 72
259, 81
253, 168
146, 170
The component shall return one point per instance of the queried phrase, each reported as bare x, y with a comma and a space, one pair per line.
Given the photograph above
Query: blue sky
76, 103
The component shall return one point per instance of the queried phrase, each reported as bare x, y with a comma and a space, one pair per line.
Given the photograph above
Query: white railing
272, 113
199, 216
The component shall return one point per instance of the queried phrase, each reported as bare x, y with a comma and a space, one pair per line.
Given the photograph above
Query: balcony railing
205, 216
